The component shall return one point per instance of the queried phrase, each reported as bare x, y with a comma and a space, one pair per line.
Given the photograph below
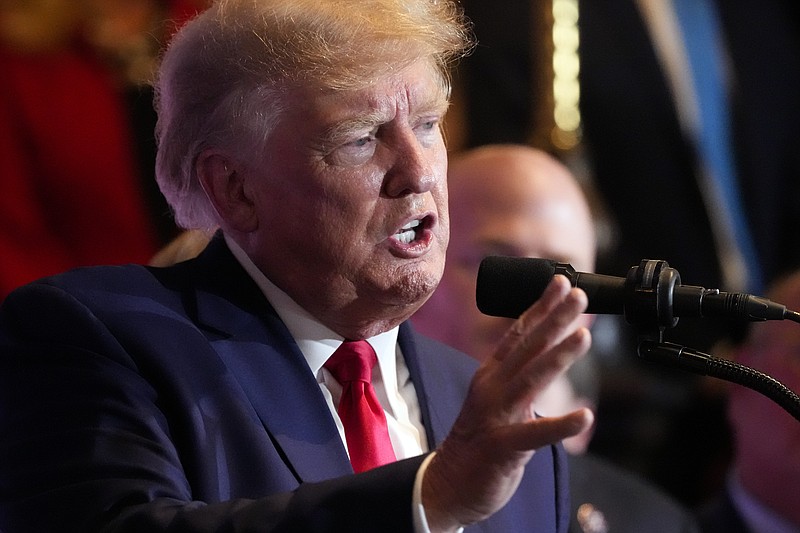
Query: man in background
506, 200
514, 200
761, 493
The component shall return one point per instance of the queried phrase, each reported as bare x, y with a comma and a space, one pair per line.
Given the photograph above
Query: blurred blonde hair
185, 246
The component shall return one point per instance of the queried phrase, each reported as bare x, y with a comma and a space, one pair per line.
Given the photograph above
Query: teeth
406, 237
406, 234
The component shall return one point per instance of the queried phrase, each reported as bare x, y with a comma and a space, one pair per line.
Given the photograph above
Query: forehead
413, 90
545, 233
524, 217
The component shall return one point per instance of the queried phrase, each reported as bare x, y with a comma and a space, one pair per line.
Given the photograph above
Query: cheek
441, 199
340, 206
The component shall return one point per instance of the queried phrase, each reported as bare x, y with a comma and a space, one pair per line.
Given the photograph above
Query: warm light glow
566, 67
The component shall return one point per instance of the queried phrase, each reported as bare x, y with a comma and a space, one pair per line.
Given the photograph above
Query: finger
553, 295
535, 331
535, 376
539, 432
541, 332
532, 335
554, 292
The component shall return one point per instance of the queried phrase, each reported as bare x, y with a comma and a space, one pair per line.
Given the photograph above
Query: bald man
504, 200
518, 201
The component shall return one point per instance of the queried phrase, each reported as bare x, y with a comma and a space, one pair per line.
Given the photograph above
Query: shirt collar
315, 340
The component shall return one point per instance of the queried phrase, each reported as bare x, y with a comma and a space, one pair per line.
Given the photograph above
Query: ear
224, 185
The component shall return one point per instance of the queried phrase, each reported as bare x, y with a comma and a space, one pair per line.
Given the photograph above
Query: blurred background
76, 133
681, 118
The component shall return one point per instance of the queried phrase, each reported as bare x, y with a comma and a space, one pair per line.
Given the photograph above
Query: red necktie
361, 413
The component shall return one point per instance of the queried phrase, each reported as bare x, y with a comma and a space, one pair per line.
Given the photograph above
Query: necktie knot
352, 361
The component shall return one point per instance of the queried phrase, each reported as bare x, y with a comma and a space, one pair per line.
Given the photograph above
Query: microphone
651, 294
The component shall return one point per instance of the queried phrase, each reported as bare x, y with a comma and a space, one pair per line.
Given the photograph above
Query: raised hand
480, 463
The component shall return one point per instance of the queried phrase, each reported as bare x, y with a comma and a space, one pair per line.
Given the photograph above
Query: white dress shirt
392, 383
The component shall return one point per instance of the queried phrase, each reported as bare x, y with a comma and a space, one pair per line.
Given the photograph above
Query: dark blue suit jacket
140, 399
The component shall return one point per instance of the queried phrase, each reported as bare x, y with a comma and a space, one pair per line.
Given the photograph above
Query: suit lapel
440, 377
259, 351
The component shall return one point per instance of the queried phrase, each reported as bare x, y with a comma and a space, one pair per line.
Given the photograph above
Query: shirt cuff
417, 510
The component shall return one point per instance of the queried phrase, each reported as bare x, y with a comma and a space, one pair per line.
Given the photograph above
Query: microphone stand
704, 364
656, 278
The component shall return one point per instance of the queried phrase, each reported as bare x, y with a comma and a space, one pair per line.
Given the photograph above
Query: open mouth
408, 233
412, 231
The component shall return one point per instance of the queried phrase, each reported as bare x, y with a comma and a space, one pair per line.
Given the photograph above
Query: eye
427, 130
362, 142
353, 153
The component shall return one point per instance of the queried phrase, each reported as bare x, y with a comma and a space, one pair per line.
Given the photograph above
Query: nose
414, 166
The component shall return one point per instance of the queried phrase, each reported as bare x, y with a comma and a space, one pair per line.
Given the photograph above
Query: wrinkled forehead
414, 91
423, 73
519, 217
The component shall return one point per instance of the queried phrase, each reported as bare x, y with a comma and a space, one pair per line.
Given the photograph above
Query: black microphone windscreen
507, 286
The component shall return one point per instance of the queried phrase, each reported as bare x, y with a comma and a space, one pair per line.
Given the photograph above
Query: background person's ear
224, 185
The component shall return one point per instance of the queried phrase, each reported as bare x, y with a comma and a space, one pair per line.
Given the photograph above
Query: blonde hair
222, 79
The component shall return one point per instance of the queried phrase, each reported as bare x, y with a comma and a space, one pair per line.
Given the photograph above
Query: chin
412, 289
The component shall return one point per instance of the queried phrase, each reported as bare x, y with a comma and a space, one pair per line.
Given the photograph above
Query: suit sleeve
86, 445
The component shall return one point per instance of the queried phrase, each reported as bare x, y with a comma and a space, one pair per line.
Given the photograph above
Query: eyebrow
348, 127
372, 119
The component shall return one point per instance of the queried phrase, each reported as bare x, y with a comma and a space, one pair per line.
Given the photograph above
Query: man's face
352, 203
498, 209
